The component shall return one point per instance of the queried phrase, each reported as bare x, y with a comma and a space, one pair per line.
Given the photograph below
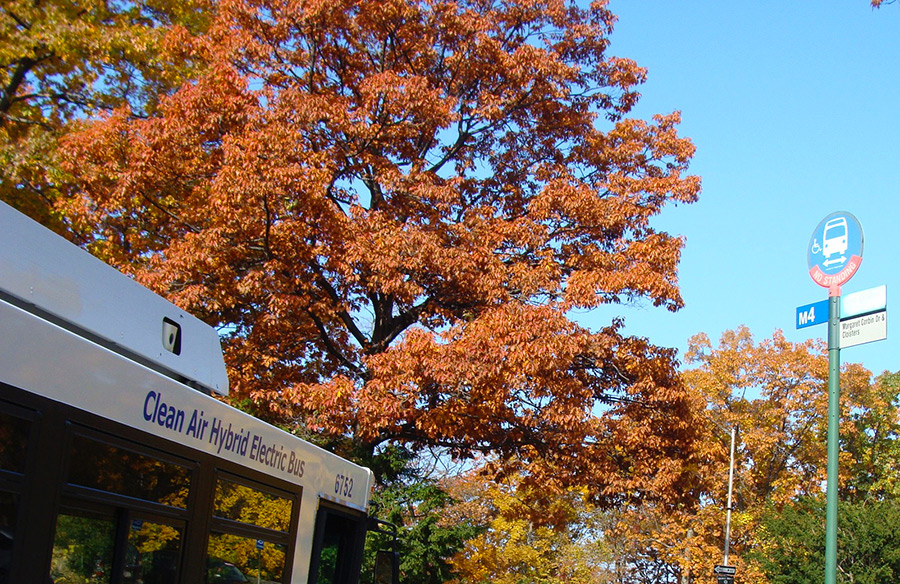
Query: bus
834, 238
119, 463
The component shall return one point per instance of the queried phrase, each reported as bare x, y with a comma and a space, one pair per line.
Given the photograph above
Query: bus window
245, 504
107, 467
124, 513
83, 549
96, 548
9, 510
14, 433
232, 559
250, 535
13, 439
152, 552
219, 571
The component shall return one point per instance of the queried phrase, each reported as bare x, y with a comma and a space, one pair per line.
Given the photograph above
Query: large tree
391, 209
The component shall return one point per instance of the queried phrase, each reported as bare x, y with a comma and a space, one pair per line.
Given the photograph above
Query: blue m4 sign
812, 314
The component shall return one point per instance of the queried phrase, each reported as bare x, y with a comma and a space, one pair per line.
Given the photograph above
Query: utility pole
728, 509
725, 573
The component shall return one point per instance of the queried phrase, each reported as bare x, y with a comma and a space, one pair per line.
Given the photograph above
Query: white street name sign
863, 329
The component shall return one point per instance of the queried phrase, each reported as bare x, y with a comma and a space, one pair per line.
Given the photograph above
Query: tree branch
332, 349
342, 314
23, 66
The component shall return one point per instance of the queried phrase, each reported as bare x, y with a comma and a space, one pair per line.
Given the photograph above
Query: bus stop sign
835, 250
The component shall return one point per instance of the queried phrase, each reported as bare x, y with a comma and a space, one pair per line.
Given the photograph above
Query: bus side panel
58, 364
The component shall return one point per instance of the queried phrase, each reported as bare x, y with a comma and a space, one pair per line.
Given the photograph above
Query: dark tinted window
85, 546
106, 467
13, 441
152, 553
83, 549
9, 509
338, 551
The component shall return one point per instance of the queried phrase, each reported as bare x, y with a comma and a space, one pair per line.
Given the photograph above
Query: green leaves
793, 551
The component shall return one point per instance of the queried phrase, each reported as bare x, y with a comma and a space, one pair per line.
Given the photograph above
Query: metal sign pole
834, 376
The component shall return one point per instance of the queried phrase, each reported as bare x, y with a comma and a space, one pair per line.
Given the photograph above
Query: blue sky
794, 107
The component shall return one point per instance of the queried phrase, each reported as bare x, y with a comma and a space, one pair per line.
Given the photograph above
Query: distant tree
775, 392
391, 209
870, 438
62, 60
793, 551
772, 391
564, 546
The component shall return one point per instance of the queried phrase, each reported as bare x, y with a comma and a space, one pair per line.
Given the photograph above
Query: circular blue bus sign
835, 250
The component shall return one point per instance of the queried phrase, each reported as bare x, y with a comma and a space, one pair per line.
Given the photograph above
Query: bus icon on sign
835, 250
834, 240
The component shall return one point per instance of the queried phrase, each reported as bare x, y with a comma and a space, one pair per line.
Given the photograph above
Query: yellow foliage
516, 549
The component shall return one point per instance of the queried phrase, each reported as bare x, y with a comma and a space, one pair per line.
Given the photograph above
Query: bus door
337, 545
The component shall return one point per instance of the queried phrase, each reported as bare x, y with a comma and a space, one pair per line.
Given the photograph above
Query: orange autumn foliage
390, 209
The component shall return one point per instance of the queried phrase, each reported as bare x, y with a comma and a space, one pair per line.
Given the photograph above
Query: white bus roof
44, 273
